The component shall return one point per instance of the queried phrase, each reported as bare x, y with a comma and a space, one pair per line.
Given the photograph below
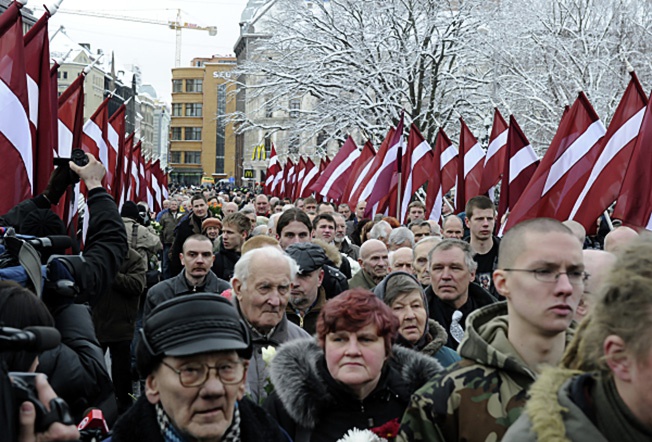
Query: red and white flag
384, 179
42, 117
580, 129
134, 188
495, 158
520, 163
469, 167
301, 173
634, 204
445, 162
71, 116
156, 187
272, 169
614, 155
116, 137
125, 172
142, 187
289, 179
332, 182
310, 176
360, 172
95, 134
16, 166
367, 184
417, 167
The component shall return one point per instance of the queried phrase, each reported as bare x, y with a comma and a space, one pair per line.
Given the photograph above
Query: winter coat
349, 249
224, 263
258, 371
311, 406
187, 226
139, 424
309, 321
148, 244
436, 347
178, 286
362, 280
115, 314
169, 221
478, 398
563, 407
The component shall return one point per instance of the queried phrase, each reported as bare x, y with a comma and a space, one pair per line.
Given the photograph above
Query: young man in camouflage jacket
478, 398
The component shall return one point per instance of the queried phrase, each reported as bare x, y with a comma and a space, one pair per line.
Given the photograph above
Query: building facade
202, 142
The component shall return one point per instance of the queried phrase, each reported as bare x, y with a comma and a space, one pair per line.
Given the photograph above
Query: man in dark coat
190, 225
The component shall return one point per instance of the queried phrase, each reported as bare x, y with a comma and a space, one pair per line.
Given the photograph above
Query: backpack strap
134, 235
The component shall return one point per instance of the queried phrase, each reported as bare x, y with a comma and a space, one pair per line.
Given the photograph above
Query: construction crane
177, 25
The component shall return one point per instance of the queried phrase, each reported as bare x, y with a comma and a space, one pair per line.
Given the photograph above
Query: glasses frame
537, 275
208, 370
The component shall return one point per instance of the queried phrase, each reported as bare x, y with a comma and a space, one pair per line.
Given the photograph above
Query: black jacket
311, 406
189, 225
115, 314
139, 424
443, 312
76, 369
224, 263
177, 286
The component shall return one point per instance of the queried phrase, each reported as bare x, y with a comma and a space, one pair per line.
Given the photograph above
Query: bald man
401, 259
578, 230
229, 208
619, 238
374, 262
597, 264
453, 227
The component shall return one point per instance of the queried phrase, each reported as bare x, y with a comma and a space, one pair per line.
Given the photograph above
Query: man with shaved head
453, 227
229, 208
578, 230
401, 259
619, 238
598, 263
374, 263
541, 275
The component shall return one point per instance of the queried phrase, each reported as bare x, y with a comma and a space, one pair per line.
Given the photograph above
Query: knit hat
167, 331
309, 256
130, 210
211, 222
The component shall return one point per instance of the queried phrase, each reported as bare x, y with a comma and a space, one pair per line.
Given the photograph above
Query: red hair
354, 309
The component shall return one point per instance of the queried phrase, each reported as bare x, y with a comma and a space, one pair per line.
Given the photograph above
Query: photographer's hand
59, 182
91, 174
56, 431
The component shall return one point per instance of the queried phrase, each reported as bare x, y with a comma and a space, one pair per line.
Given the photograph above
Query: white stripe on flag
625, 133
114, 139
390, 158
348, 161
363, 174
472, 158
573, 154
495, 145
417, 155
15, 127
520, 161
447, 156
309, 177
65, 141
95, 133
32, 98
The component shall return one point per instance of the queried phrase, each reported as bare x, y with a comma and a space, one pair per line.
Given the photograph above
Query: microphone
35, 339
54, 241
94, 422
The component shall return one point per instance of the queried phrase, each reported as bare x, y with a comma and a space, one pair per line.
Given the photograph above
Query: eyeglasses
196, 374
575, 277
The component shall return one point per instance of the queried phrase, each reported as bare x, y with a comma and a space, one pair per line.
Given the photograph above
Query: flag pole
399, 160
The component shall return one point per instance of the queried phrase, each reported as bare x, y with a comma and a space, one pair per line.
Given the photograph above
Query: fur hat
211, 222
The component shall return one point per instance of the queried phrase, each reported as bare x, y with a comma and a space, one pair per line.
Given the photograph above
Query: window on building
220, 129
65, 75
174, 157
194, 85
177, 85
268, 145
175, 133
192, 134
193, 158
295, 107
177, 109
269, 109
194, 109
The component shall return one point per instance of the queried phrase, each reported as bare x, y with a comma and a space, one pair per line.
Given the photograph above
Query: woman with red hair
349, 376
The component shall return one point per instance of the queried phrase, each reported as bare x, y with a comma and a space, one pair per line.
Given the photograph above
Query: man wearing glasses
193, 352
541, 275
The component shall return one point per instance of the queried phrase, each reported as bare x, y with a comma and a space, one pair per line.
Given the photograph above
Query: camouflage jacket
475, 399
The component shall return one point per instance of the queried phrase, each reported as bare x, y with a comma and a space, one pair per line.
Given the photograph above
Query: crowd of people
233, 316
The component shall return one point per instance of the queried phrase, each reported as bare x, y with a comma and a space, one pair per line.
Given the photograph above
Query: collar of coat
301, 387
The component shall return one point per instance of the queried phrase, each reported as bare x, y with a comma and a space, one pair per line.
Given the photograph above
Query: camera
78, 157
24, 389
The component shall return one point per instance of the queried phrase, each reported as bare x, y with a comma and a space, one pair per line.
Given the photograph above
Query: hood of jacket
486, 343
439, 338
304, 392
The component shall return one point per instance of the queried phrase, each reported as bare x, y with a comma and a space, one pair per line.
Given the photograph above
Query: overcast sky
152, 47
